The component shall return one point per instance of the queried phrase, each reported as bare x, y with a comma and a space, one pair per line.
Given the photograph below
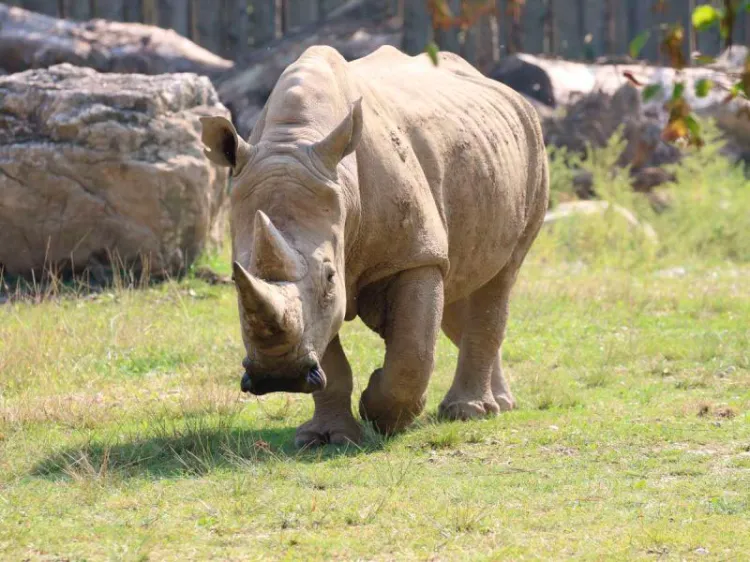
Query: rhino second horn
259, 299
273, 258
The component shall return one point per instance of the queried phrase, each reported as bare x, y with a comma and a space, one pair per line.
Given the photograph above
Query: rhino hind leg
476, 325
332, 422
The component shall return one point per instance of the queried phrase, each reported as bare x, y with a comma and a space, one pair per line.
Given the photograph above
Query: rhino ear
223, 146
343, 140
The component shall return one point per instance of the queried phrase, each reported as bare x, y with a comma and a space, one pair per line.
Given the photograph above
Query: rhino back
452, 167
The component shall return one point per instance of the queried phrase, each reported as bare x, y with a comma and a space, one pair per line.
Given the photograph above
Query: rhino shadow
187, 454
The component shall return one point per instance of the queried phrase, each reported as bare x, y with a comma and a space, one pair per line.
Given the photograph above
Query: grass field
123, 434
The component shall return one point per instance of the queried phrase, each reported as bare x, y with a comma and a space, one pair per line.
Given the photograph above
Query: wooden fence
586, 29
576, 29
222, 26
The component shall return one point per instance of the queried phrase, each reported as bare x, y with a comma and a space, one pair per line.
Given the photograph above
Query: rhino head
287, 216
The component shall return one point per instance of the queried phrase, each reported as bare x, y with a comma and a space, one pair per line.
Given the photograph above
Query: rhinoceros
393, 189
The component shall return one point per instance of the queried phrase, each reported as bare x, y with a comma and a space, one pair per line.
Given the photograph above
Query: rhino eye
330, 276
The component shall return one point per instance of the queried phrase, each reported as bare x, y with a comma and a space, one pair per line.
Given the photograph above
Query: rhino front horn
273, 258
258, 298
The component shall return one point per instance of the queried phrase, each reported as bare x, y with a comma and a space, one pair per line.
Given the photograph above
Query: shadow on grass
188, 452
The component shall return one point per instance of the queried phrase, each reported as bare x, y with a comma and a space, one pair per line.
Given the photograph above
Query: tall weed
707, 219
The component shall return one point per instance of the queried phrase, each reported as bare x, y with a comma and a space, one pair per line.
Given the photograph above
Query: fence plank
679, 13
569, 28
299, 13
447, 39
594, 29
108, 9
510, 37
236, 27
75, 9
377, 8
327, 6
557, 27
480, 44
174, 14
622, 27
133, 10
206, 25
533, 26
262, 24
549, 31
417, 28
48, 7
150, 12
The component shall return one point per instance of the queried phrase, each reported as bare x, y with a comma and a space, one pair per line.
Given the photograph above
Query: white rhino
388, 188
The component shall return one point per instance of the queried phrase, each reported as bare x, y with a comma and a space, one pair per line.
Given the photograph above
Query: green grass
123, 434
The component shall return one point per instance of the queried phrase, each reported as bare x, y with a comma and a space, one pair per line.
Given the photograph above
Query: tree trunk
417, 27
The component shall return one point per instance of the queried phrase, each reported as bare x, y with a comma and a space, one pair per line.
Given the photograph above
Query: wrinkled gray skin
393, 190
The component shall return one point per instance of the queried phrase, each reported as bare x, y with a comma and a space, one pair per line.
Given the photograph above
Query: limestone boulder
592, 100
98, 165
30, 40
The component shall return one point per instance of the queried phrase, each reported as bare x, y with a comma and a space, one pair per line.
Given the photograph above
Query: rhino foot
506, 402
387, 414
333, 430
457, 409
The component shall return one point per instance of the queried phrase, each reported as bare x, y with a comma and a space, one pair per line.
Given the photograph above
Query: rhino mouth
259, 384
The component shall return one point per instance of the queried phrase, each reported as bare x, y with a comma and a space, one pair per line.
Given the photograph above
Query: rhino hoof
317, 433
506, 402
386, 414
467, 409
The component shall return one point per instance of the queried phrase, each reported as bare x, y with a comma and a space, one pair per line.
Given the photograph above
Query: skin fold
388, 188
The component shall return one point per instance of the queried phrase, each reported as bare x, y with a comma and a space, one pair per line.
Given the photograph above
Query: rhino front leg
332, 421
395, 394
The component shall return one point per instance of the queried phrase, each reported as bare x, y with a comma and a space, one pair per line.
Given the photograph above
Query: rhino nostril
315, 378
246, 384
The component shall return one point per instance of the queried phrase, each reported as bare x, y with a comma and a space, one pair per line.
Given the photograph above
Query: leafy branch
471, 11
682, 125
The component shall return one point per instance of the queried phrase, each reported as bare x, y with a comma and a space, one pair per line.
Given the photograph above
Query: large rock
592, 119
527, 78
93, 165
30, 40
596, 98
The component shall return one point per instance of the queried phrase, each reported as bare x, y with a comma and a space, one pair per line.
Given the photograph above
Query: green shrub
708, 218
